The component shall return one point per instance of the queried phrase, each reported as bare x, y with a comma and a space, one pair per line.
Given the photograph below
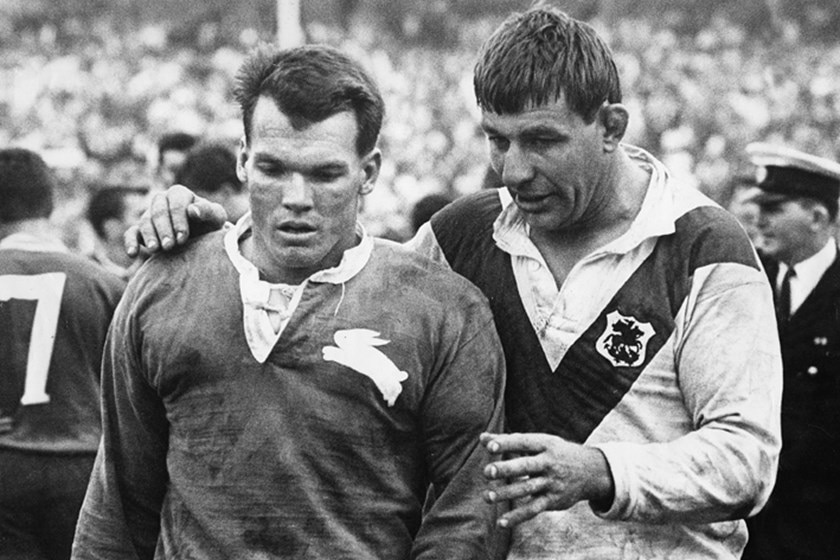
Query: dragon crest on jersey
624, 340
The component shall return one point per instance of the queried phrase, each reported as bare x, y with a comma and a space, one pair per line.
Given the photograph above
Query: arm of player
540, 472
730, 373
120, 517
463, 400
170, 220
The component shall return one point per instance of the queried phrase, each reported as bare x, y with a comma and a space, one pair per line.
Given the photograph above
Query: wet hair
208, 168
536, 56
108, 202
26, 186
178, 141
310, 84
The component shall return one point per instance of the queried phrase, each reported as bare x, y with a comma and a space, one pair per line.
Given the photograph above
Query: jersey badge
356, 349
624, 341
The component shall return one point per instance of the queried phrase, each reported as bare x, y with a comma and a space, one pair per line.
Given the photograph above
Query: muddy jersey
377, 386
659, 349
55, 308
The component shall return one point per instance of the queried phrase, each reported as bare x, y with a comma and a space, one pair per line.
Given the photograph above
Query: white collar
352, 262
256, 294
812, 269
655, 217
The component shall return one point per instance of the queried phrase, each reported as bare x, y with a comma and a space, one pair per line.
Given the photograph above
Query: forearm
601, 493
710, 475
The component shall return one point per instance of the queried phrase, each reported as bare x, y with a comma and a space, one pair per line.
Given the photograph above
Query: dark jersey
55, 309
376, 387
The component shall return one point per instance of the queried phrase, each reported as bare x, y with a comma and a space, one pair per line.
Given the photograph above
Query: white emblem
624, 341
355, 349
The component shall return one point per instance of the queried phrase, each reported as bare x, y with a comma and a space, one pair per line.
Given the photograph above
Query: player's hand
6, 424
171, 218
541, 472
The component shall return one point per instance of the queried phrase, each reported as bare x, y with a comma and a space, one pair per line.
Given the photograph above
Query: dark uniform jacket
802, 518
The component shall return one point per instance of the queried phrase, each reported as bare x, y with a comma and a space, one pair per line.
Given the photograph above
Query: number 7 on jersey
46, 290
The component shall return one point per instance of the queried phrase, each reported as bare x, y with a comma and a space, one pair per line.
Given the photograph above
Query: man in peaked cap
798, 202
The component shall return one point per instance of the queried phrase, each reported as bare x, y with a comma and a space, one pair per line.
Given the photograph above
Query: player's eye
499, 142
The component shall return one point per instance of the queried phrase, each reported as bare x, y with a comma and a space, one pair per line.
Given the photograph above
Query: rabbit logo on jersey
356, 349
624, 341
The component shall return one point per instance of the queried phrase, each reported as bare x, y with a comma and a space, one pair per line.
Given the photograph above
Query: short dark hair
108, 202
27, 186
179, 141
208, 168
536, 56
310, 84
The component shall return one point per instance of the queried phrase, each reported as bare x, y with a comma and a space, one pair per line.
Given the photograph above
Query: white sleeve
729, 369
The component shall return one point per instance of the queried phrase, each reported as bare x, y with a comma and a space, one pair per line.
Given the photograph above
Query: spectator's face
170, 162
786, 229
746, 211
549, 158
304, 190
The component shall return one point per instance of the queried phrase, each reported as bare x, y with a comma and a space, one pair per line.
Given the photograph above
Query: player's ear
614, 118
371, 164
241, 158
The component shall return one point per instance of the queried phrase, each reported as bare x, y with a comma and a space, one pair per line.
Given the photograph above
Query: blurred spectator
55, 308
111, 210
798, 216
425, 208
742, 205
210, 171
172, 151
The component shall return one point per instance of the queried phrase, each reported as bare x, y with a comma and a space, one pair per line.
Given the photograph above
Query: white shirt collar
815, 265
655, 218
256, 294
352, 262
808, 273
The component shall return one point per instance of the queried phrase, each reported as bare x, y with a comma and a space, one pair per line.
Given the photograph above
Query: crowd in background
95, 106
